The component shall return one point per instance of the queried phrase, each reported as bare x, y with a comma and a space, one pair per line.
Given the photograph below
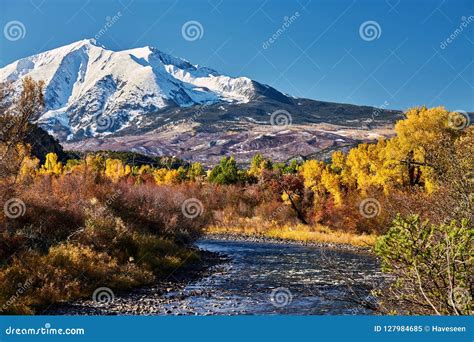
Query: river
258, 278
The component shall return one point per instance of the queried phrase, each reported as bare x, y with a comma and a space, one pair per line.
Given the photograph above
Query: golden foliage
165, 176
116, 170
51, 165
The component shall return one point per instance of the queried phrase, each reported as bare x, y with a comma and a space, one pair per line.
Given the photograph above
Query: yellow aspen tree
95, 162
172, 177
51, 165
311, 171
115, 169
360, 166
159, 175
331, 181
28, 167
258, 165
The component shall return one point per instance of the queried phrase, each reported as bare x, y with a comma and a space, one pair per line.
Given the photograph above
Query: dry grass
316, 234
81, 231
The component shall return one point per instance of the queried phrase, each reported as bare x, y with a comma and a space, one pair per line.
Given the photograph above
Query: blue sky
321, 52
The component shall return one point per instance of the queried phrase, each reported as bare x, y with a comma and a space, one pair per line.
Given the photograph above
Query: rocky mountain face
147, 101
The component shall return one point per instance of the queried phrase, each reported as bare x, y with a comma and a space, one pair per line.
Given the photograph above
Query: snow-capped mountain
93, 91
147, 101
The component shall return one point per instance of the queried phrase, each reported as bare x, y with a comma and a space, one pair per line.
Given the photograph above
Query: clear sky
319, 50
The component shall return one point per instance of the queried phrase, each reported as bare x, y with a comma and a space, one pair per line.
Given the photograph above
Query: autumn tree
258, 164
166, 176
115, 169
28, 168
16, 114
423, 141
196, 171
95, 162
51, 165
332, 183
372, 165
311, 170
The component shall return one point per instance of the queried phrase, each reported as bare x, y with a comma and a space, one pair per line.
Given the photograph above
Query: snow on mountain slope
93, 91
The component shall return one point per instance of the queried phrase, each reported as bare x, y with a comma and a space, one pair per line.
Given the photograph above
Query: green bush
430, 265
225, 173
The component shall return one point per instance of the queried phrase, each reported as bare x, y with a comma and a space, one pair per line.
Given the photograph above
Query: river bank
254, 238
305, 235
143, 300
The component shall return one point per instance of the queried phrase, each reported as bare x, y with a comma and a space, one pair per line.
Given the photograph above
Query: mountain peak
80, 44
88, 41
85, 81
